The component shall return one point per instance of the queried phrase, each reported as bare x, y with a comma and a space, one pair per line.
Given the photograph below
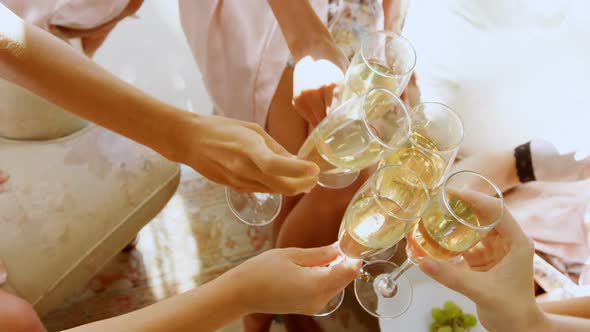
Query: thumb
315, 256
456, 278
338, 276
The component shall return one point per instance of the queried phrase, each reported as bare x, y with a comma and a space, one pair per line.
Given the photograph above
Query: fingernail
315, 171
335, 245
430, 266
3, 277
353, 262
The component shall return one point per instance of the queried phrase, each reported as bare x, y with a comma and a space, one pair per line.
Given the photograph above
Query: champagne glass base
384, 255
367, 291
338, 181
254, 209
332, 306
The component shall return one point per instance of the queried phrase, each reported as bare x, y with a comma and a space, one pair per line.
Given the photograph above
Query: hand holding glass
467, 207
356, 135
381, 212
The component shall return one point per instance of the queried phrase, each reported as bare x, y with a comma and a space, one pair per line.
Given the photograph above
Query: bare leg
309, 221
290, 130
316, 218
313, 222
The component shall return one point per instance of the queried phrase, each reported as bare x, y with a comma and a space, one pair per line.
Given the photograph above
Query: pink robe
74, 14
556, 215
240, 51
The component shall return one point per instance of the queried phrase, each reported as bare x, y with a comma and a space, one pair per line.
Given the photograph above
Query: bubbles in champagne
368, 228
420, 156
349, 146
310, 152
364, 76
442, 236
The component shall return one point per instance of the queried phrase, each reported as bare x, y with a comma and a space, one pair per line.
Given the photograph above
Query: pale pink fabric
555, 210
240, 51
74, 14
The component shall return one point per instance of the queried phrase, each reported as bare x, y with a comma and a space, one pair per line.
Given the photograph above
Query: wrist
530, 318
300, 38
239, 292
500, 314
539, 321
309, 40
510, 176
182, 129
523, 163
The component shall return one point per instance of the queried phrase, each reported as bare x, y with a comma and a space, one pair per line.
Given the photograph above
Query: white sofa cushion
71, 204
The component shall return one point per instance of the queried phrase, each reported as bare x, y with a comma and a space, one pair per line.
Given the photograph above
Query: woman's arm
393, 15
557, 323
206, 308
304, 31
32, 58
536, 160
278, 281
500, 167
577, 307
320, 62
230, 152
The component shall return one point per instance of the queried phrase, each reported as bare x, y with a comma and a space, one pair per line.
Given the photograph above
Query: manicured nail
430, 266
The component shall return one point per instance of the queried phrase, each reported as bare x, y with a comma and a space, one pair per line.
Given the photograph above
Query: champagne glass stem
386, 285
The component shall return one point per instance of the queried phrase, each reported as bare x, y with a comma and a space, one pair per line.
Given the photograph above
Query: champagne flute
461, 214
380, 213
437, 133
356, 135
383, 255
348, 31
385, 59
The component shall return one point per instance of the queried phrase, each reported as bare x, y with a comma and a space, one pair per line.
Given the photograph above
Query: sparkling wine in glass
386, 206
385, 59
437, 133
462, 213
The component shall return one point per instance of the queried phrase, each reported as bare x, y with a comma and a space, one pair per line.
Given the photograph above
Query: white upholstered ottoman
71, 204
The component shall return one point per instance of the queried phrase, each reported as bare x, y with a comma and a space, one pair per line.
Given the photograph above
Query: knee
17, 315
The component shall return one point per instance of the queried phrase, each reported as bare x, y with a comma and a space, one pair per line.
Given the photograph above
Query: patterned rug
193, 240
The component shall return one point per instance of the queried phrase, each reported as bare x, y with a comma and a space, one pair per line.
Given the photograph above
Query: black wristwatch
524, 163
